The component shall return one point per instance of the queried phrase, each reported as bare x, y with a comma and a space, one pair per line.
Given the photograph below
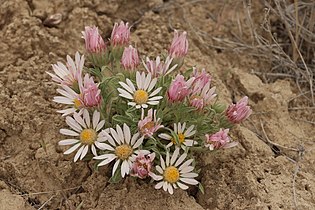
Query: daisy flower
149, 125
142, 95
120, 146
84, 134
69, 97
182, 136
175, 173
71, 73
157, 67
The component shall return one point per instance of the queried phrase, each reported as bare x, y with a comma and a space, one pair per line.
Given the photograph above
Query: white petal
165, 136
72, 149
93, 150
159, 169
100, 125
134, 138
103, 146
106, 161
152, 84
174, 156
68, 141
79, 152
86, 117
73, 124
96, 119
115, 136
124, 93
79, 119
184, 165
124, 168
186, 169
156, 91
167, 161
162, 163
138, 143
68, 132
127, 133
189, 181
104, 156
109, 138
181, 159
159, 185
153, 102
182, 186
131, 85
170, 189
84, 152
188, 142
115, 167
189, 175
155, 98
165, 186
147, 82
124, 85
120, 134
138, 80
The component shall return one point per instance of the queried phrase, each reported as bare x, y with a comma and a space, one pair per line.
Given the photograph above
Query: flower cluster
141, 120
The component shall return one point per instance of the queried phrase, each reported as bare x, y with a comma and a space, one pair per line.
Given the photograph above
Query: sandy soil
35, 174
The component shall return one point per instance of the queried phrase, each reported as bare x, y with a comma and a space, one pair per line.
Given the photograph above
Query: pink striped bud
179, 46
130, 58
94, 43
238, 112
120, 34
219, 140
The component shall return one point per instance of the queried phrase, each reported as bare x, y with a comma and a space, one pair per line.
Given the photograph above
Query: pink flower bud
219, 140
90, 93
94, 43
179, 89
142, 165
130, 58
238, 112
201, 77
149, 125
120, 34
159, 68
179, 46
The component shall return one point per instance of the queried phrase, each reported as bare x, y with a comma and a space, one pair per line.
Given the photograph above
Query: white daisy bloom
182, 135
69, 74
69, 97
84, 134
140, 96
157, 67
174, 172
120, 146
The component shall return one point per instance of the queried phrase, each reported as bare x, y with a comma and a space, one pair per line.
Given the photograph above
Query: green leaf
201, 188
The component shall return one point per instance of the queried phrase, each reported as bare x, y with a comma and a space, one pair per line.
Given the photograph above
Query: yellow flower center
181, 138
88, 136
123, 151
140, 96
77, 103
147, 126
171, 174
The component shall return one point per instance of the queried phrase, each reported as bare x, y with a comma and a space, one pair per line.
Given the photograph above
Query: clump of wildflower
179, 89
90, 93
174, 172
142, 164
120, 35
130, 58
219, 140
86, 131
149, 125
236, 113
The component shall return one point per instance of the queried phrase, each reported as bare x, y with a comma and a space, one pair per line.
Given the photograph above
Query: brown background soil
35, 174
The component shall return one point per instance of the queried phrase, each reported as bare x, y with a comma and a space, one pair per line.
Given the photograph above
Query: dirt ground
271, 169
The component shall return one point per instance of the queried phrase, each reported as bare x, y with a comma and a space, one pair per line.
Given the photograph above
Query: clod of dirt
53, 20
